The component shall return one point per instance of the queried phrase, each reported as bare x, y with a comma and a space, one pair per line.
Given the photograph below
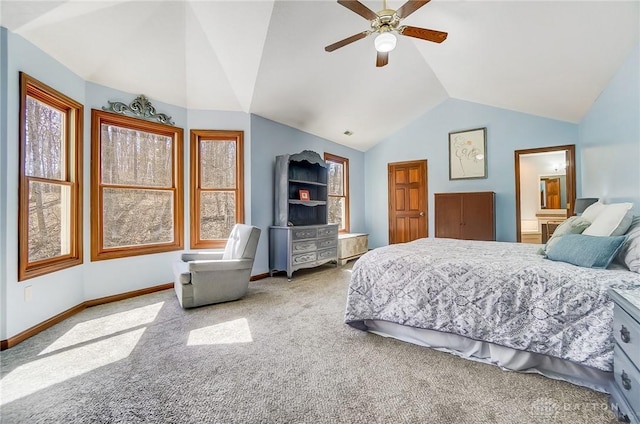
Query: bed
494, 302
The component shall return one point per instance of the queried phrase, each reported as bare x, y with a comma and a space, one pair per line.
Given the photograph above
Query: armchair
203, 278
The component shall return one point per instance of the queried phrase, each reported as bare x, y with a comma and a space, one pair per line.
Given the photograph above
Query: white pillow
613, 220
593, 211
630, 252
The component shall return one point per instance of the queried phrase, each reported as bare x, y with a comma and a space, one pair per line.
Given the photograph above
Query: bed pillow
613, 220
593, 210
572, 225
586, 251
629, 254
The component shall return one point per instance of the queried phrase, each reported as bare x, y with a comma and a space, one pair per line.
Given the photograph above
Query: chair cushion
237, 242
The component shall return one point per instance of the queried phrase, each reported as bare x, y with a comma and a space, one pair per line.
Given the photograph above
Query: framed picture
304, 195
468, 154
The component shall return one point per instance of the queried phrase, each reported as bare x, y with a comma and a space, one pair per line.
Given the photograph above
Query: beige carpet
280, 355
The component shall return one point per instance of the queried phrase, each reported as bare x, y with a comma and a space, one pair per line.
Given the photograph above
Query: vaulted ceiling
547, 58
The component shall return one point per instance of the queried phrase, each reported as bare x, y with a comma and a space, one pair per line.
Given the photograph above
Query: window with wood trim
338, 198
50, 180
217, 186
136, 186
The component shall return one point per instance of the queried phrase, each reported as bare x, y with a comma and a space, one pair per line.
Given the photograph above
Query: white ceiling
547, 58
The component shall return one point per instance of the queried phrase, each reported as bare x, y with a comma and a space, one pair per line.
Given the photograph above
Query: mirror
553, 191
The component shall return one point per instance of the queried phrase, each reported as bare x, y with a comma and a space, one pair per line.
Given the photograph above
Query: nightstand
625, 392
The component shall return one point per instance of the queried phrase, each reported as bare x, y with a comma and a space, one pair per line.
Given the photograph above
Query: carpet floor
282, 354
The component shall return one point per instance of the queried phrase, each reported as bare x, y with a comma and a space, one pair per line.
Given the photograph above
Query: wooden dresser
300, 236
467, 216
625, 393
293, 248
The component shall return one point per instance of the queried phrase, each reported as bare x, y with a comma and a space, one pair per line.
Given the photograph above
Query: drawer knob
625, 335
626, 381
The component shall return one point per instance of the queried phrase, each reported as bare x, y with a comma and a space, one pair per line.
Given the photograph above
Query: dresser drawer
303, 258
626, 331
303, 246
326, 243
328, 231
304, 233
327, 254
627, 378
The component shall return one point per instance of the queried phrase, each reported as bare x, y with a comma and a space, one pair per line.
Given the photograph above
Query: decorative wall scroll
141, 107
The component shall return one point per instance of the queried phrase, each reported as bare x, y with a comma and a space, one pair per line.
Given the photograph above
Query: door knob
421, 213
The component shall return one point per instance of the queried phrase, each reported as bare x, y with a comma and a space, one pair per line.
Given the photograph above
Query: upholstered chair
203, 278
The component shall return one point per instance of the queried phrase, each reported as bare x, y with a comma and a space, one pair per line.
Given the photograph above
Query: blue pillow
586, 251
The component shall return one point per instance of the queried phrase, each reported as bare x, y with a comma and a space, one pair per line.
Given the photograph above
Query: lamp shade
583, 203
385, 42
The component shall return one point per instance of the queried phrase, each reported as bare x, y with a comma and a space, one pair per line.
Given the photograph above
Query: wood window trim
223, 135
329, 157
74, 112
98, 252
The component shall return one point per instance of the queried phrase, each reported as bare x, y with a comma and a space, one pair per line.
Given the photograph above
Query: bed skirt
489, 353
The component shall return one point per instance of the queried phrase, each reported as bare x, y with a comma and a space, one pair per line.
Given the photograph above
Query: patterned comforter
503, 293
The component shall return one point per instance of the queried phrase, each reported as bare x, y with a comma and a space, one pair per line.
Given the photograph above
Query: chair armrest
198, 256
226, 265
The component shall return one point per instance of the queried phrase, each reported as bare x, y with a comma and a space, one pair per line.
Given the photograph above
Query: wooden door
407, 201
552, 189
448, 212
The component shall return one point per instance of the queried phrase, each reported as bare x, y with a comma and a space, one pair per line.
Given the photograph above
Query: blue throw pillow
586, 251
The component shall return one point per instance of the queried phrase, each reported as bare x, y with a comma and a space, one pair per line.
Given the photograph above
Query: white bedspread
503, 293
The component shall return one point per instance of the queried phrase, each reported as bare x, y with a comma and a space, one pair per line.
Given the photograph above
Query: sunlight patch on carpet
59, 367
236, 331
105, 326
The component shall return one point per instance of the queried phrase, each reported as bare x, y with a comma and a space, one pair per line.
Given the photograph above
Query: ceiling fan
385, 23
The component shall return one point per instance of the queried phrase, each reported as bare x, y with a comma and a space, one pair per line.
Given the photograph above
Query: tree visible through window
50, 186
136, 187
217, 188
338, 198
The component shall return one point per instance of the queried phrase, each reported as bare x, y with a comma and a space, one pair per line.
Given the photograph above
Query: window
338, 191
50, 180
136, 187
217, 186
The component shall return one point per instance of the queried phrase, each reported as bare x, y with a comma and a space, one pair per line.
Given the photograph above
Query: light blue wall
135, 272
270, 139
219, 120
427, 138
52, 293
610, 138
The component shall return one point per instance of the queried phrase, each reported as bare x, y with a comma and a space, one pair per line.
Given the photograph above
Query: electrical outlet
28, 293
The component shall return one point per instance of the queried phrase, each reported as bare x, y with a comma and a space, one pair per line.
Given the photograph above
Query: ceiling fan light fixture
385, 42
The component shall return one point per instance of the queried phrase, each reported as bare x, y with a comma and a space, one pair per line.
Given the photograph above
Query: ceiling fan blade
346, 41
359, 8
409, 7
382, 59
423, 33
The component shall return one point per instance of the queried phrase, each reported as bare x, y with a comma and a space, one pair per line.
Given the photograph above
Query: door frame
570, 178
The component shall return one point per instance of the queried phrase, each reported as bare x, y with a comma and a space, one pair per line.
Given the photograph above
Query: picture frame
468, 154
304, 195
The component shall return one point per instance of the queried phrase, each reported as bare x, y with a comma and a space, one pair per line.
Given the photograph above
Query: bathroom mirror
553, 191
